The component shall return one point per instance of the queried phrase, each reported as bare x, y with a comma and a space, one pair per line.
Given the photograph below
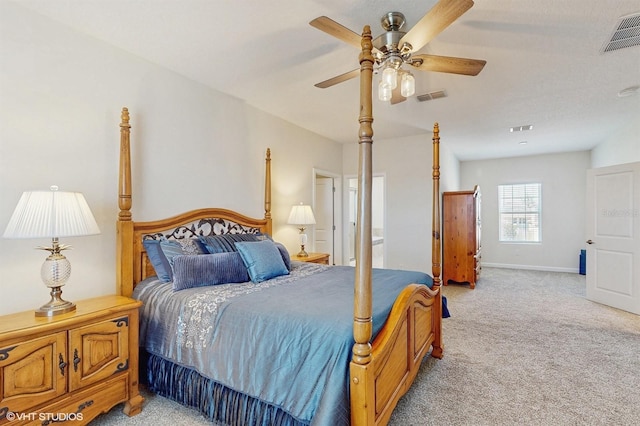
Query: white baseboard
531, 267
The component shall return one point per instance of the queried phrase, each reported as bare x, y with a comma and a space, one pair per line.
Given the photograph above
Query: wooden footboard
412, 328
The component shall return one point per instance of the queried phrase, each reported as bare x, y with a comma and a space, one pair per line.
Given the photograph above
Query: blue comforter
286, 341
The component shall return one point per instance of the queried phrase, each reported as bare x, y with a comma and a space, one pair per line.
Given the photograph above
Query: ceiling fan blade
396, 96
449, 64
434, 22
339, 31
339, 79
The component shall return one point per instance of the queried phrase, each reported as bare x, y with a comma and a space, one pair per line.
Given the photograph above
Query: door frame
337, 210
345, 217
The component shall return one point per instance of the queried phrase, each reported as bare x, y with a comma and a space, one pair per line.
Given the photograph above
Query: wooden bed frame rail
380, 371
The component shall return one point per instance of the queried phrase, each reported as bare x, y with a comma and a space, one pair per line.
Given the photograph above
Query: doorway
327, 208
377, 220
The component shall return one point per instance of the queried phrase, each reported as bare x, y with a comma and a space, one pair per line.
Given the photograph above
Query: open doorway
327, 208
377, 220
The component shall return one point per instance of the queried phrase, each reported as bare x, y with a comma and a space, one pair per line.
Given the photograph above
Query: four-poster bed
379, 372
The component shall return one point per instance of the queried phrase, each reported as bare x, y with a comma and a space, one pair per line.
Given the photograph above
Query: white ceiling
544, 65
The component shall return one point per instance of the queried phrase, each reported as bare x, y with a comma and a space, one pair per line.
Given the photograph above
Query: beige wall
563, 178
60, 99
406, 164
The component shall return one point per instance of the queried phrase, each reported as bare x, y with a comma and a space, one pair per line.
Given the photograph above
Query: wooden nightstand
313, 258
78, 364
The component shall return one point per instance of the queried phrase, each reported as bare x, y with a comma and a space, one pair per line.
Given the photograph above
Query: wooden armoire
461, 232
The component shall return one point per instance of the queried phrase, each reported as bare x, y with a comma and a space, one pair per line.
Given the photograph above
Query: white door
613, 236
324, 238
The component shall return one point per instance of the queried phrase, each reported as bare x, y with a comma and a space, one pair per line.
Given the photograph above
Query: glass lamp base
56, 305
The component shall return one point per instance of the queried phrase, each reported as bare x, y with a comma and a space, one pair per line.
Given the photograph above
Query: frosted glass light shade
407, 84
390, 77
384, 92
301, 215
51, 214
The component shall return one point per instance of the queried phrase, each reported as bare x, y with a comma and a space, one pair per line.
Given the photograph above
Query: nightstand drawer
83, 406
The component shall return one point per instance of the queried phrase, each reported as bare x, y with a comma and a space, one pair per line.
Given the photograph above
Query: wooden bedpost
267, 191
362, 327
361, 411
435, 241
124, 226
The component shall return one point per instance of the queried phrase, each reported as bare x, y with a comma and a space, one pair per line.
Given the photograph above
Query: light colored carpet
523, 348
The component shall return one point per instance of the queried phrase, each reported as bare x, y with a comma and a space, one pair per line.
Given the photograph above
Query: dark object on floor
445, 310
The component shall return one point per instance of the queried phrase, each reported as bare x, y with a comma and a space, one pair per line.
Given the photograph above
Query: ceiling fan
395, 47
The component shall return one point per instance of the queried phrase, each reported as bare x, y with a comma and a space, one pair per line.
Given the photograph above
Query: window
519, 210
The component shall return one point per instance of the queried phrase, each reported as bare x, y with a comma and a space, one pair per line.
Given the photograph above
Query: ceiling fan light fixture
395, 47
407, 84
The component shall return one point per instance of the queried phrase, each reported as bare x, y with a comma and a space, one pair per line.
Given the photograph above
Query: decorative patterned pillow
158, 260
208, 269
224, 243
186, 246
262, 259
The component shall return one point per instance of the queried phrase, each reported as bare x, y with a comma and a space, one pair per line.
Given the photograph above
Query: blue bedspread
286, 341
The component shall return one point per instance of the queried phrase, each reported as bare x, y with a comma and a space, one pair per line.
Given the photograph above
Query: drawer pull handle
76, 359
84, 405
61, 365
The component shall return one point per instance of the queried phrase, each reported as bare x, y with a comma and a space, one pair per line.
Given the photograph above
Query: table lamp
52, 214
301, 216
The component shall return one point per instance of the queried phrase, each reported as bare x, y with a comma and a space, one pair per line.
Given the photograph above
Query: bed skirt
216, 402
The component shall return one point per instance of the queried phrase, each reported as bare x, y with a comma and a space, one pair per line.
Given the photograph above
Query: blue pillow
262, 259
208, 269
285, 255
225, 243
158, 260
187, 246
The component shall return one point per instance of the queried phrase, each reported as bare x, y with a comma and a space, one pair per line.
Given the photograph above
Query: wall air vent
432, 95
626, 34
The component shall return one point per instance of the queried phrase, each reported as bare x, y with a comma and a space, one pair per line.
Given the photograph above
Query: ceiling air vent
432, 95
626, 34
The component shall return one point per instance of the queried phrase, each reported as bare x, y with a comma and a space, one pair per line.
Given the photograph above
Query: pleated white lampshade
301, 215
51, 214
